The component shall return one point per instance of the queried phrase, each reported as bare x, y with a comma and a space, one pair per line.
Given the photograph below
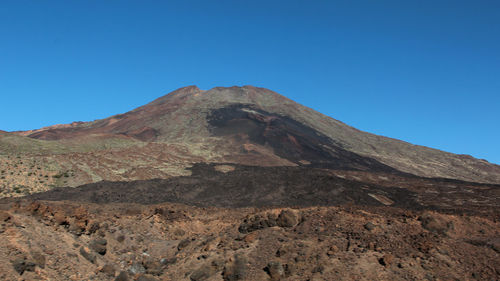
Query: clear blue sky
425, 71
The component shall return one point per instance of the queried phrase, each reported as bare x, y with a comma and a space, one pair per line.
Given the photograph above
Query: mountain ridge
142, 123
253, 126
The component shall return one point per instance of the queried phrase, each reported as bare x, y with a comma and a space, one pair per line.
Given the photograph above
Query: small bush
65, 174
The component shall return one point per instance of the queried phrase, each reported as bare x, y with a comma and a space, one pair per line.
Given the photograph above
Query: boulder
386, 260
287, 218
136, 268
235, 270
275, 270
98, 245
109, 270
435, 223
369, 226
123, 276
21, 265
38, 259
202, 273
153, 266
183, 244
85, 252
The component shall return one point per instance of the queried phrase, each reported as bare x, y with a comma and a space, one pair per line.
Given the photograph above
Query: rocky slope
243, 125
41, 240
240, 183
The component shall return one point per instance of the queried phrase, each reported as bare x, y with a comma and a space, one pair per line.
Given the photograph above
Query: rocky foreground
41, 240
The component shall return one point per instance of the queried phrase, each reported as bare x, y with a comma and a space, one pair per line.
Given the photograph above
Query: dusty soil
43, 240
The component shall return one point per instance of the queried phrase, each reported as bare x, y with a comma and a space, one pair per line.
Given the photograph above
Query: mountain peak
228, 93
183, 91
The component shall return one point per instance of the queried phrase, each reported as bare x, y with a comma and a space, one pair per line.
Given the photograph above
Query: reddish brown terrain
72, 241
240, 183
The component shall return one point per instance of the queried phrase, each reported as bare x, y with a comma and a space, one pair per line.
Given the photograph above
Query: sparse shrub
65, 174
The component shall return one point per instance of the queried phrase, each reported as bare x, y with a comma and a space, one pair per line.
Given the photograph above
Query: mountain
244, 125
221, 134
240, 125
240, 183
